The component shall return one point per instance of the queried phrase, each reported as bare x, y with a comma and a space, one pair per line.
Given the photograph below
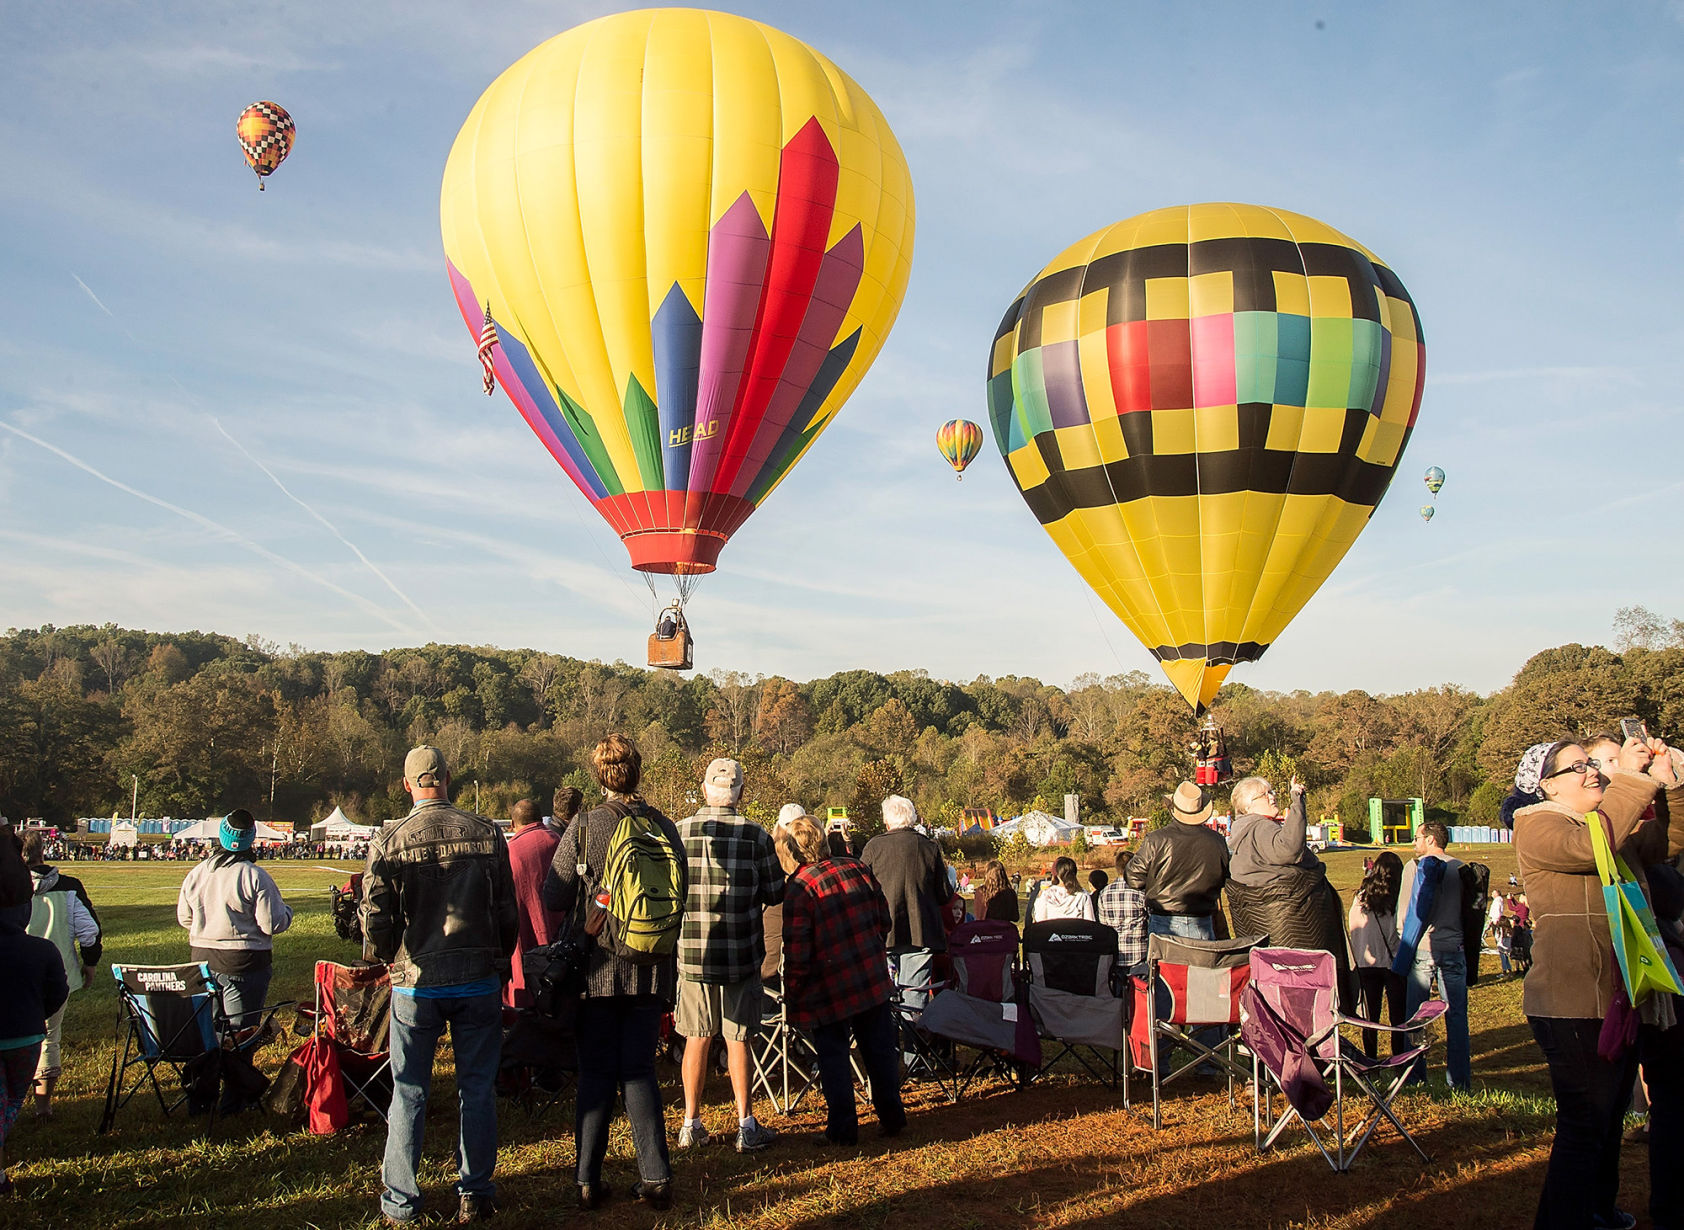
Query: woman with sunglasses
1561, 791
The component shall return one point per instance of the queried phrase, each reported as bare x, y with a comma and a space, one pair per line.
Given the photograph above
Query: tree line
195, 724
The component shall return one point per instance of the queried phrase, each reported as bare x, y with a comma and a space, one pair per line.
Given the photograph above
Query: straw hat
1190, 804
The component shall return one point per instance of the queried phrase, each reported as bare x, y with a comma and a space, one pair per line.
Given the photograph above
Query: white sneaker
693, 1135
754, 1136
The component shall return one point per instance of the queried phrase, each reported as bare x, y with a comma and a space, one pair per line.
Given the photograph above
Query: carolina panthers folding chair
167, 1017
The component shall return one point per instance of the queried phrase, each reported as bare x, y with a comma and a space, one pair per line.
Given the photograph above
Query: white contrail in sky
89, 292
221, 530
331, 528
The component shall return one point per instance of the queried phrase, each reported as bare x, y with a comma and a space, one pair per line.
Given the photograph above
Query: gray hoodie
231, 903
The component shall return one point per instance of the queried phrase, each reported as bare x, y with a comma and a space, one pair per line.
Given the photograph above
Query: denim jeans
1448, 968
1183, 925
617, 1036
476, 1039
243, 995
1186, 927
1591, 1096
875, 1031
913, 968
17, 1069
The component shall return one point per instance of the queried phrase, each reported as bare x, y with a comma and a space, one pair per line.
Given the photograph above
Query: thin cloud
330, 527
222, 531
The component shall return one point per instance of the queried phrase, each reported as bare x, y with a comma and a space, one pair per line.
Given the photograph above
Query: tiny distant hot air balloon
1202, 406
265, 131
1434, 478
959, 440
1427, 511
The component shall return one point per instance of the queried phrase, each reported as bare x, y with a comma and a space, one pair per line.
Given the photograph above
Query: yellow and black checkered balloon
1203, 406
265, 131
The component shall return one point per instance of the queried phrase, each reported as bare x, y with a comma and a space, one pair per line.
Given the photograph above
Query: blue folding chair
170, 1017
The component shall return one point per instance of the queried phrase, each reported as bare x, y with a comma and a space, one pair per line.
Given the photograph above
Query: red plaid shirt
835, 924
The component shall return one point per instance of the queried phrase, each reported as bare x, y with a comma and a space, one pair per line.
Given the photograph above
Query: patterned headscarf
1527, 777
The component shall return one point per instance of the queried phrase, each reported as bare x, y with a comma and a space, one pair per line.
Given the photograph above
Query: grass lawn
1063, 1153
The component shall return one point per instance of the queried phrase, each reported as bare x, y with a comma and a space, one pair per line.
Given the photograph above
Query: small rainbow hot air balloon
959, 440
265, 131
1434, 478
1427, 511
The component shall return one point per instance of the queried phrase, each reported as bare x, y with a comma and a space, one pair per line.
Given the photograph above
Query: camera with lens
560, 976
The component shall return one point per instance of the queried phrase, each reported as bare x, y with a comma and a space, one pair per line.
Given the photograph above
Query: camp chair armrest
244, 1037
1424, 1015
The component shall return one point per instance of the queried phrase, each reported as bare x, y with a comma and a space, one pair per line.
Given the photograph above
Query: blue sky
285, 408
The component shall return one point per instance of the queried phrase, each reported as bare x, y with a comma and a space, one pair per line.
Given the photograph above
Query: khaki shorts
51, 1062
730, 1010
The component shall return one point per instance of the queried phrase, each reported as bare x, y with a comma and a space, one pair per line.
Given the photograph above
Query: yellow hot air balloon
1202, 406
682, 237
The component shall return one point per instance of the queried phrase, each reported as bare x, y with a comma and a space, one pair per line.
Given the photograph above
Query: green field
1064, 1152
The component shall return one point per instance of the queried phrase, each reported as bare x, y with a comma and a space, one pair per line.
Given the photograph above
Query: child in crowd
1505, 943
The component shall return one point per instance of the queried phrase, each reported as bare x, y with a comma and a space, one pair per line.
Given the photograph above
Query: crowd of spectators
795, 918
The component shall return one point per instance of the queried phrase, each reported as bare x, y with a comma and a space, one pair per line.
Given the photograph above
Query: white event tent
1040, 828
338, 827
210, 827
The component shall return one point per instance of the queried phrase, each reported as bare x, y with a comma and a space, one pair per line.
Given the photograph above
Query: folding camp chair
924, 1056
1190, 997
785, 1061
170, 1017
983, 1006
354, 1015
1292, 1028
538, 1062
1070, 962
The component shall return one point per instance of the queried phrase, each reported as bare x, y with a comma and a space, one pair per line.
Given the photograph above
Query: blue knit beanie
238, 828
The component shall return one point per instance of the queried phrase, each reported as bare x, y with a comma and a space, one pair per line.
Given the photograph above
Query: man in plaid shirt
734, 876
836, 980
1123, 909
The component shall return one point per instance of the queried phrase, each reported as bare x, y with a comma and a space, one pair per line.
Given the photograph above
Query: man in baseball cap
439, 909
734, 876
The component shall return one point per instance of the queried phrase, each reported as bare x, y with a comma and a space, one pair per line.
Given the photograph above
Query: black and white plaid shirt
1123, 909
734, 876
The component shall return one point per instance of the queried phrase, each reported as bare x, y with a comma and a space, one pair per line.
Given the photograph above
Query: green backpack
645, 880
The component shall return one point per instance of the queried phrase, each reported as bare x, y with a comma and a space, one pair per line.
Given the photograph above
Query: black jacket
913, 875
32, 982
439, 898
1181, 869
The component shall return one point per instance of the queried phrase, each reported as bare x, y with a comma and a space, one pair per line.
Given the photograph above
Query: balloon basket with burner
670, 646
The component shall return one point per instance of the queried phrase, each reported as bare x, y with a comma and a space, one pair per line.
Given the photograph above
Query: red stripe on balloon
807, 177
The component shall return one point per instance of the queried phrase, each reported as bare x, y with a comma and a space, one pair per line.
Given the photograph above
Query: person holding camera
1560, 790
439, 910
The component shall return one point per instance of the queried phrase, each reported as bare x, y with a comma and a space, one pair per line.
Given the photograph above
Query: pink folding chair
1290, 1022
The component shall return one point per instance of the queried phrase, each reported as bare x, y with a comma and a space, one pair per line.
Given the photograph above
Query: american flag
488, 343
